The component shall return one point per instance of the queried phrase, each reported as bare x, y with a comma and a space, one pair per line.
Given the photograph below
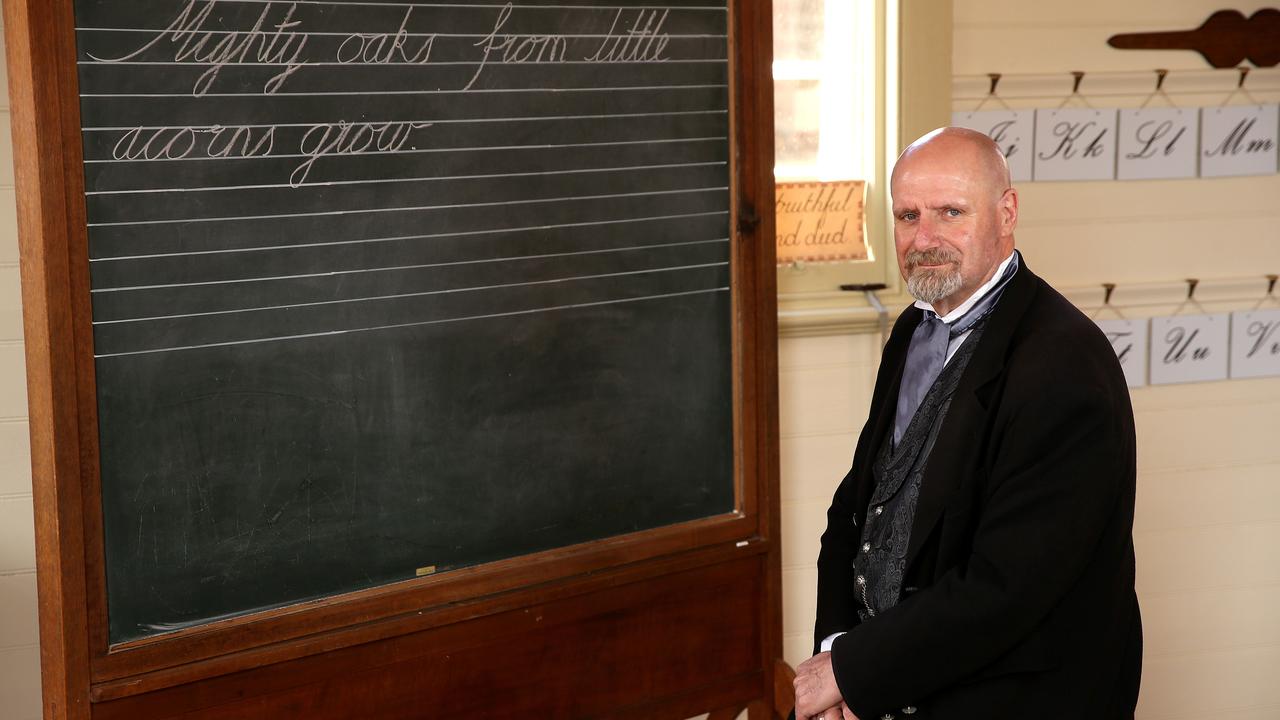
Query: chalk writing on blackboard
197, 36
267, 43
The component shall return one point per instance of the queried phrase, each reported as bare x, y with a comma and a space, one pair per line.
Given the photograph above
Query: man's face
952, 226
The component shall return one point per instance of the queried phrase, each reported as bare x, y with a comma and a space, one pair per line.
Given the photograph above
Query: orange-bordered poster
821, 221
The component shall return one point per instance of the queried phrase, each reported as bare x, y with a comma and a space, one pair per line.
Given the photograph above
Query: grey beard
931, 286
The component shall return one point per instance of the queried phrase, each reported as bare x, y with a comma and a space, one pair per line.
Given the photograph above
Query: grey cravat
925, 359
927, 353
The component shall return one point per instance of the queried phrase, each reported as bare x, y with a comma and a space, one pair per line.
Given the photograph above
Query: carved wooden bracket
1225, 40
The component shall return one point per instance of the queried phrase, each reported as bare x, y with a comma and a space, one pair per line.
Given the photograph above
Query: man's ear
1008, 211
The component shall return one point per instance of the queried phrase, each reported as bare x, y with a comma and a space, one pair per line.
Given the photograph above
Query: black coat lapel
955, 452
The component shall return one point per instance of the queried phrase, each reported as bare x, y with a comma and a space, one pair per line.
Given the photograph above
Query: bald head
958, 149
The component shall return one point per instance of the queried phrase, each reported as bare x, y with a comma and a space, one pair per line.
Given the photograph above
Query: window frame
913, 96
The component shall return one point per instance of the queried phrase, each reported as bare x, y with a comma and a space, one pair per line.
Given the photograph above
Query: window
831, 119
824, 72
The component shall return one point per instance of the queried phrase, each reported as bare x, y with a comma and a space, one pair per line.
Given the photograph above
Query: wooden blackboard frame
210, 665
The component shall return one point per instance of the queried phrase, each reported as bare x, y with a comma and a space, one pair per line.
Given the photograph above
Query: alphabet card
1075, 144
1129, 340
1157, 143
1013, 131
1189, 348
1238, 140
1255, 344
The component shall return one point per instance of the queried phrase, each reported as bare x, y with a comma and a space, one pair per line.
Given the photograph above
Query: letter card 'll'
1129, 340
1238, 140
1157, 143
1255, 344
1189, 348
1075, 144
1012, 130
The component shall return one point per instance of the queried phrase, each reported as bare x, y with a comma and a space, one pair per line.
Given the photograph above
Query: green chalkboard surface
380, 286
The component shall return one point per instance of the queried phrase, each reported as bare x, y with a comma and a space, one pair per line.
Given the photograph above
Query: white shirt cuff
830, 639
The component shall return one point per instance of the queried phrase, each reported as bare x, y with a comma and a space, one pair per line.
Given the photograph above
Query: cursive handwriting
1179, 342
1150, 137
217, 49
1071, 134
383, 48
1237, 141
517, 48
201, 33
643, 42
344, 138
1262, 333
1116, 338
999, 133
180, 143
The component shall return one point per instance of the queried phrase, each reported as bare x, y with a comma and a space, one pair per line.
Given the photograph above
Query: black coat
1018, 599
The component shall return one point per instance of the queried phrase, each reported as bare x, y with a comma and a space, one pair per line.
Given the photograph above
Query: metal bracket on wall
869, 289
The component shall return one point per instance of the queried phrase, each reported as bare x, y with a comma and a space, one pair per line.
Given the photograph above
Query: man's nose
926, 234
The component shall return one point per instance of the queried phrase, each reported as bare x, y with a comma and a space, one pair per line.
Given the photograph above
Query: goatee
933, 284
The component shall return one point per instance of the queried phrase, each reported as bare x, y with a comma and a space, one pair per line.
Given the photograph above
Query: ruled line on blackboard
331, 183
490, 6
363, 211
426, 66
424, 293
421, 266
401, 238
545, 146
407, 34
530, 118
367, 93
489, 316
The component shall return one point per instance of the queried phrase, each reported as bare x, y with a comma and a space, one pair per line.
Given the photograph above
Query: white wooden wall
824, 391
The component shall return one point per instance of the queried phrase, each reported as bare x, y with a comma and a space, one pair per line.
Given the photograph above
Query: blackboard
390, 288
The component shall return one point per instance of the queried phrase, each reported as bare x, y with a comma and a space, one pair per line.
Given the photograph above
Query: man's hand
817, 695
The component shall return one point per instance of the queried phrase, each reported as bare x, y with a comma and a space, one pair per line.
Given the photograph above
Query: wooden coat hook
1270, 297
1076, 77
1108, 289
1161, 74
991, 93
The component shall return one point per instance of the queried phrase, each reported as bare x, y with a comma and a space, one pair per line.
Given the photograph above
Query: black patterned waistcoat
881, 559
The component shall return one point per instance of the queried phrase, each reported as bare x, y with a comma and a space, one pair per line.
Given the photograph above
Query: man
978, 557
